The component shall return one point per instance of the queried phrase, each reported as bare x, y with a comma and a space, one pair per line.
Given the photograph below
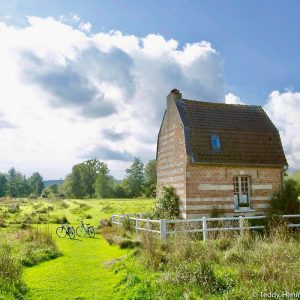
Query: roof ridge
220, 103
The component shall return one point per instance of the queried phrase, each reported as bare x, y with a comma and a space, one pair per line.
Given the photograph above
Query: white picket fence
169, 227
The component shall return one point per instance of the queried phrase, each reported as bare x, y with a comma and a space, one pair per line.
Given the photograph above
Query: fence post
241, 222
148, 225
136, 225
163, 229
112, 219
204, 228
120, 220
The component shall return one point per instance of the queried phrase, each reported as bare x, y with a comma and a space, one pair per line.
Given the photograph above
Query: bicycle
83, 230
64, 230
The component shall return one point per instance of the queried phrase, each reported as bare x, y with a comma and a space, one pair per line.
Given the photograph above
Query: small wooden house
219, 155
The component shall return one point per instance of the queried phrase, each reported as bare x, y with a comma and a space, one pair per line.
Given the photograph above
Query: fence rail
169, 227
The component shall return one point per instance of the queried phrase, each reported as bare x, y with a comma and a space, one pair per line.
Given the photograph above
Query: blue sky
89, 78
257, 39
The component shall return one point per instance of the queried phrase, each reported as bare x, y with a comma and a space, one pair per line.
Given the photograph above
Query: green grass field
83, 271
183, 267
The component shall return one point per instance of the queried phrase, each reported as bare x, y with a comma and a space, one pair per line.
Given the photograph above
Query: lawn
83, 271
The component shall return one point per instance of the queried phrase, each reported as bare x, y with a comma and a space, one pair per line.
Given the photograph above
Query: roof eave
238, 164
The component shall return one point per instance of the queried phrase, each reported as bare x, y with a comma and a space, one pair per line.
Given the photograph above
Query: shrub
81, 209
128, 244
59, 219
11, 284
168, 203
105, 223
2, 223
64, 205
37, 245
107, 209
127, 224
37, 205
286, 201
10, 269
111, 234
15, 208
32, 196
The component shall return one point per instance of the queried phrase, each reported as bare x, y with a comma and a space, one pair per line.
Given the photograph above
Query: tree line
92, 178
88, 179
15, 184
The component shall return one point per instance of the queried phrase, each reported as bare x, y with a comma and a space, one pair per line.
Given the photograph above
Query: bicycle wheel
91, 232
71, 232
80, 231
61, 231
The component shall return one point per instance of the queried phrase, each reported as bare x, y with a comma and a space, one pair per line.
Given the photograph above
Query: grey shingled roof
247, 134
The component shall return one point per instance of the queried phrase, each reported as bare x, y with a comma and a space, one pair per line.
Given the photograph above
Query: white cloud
85, 26
75, 17
67, 95
233, 99
283, 109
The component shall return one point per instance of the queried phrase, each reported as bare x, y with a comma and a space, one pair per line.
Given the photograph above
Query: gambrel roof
246, 133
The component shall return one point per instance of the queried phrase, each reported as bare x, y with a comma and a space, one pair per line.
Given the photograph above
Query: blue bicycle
64, 230
83, 230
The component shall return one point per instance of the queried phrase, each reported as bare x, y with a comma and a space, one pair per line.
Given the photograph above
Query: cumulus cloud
283, 109
104, 153
233, 99
71, 93
4, 124
85, 26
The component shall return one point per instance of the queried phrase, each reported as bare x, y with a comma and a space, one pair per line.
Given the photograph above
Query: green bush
107, 209
128, 244
105, 223
37, 245
15, 208
64, 205
286, 201
11, 284
83, 207
168, 203
59, 219
127, 224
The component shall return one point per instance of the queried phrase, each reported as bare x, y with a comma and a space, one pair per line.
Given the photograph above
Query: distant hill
49, 182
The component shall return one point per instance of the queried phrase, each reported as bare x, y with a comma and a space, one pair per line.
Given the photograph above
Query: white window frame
241, 188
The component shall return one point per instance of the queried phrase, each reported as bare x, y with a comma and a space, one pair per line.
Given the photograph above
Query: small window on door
241, 186
215, 142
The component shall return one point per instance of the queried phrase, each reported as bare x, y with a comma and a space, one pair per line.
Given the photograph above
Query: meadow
35, 264
79, 268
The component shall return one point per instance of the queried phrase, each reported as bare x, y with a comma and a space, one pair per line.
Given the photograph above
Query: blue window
215, 142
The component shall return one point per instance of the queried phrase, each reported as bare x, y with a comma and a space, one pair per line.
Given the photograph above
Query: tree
53, 188
3, 185
81, 181
66, 188
36, 183
104, 182
17, 184
89, 171
150, 178
119, 190
12, 186
135, 180
77, 188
